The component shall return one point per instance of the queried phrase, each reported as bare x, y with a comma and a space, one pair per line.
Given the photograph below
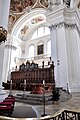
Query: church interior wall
24, 46
65, 45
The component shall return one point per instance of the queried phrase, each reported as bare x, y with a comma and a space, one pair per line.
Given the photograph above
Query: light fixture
3, 34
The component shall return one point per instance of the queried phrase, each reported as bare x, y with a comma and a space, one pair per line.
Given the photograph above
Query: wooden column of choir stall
34, 77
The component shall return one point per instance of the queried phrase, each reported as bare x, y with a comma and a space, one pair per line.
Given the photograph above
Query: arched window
31, 51
49, 47
47, 31
34, 35
42, 31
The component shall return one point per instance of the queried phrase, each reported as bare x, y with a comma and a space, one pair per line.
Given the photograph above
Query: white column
54, 51
7, 57
62, 56
59, 55
4, 13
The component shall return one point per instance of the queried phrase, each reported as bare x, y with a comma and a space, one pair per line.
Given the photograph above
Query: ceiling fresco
22, 5
31, 23
24, 29
19, 7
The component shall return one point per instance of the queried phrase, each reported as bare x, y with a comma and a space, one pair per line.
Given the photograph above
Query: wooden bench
7, 106
10, 99
6, 109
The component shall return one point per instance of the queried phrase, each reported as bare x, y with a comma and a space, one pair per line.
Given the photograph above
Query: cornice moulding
63, 14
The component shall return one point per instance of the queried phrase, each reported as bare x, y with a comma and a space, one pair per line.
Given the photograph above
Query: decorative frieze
69, 25
66, 25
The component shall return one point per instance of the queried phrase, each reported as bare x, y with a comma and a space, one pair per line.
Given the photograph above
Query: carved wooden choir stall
32, 76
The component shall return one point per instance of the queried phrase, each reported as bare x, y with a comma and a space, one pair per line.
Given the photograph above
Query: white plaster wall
36, 42
25, 47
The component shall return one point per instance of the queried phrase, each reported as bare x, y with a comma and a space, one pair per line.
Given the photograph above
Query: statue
78, 5
67, 2
52, 3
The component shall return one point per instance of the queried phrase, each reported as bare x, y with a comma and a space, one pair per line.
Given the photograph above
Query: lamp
3, 34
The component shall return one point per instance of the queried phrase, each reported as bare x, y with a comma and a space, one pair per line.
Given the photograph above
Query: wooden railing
63, 114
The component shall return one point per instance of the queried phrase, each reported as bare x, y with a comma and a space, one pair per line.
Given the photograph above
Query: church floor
23, 110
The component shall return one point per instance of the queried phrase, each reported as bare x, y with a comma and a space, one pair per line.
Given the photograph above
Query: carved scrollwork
69, 25
66, 25
52, 27
59, 25
11, 47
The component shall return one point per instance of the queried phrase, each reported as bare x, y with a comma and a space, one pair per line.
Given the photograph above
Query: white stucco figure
52, 3
67, 3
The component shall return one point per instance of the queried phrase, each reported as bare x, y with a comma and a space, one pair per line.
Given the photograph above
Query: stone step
34, 97
33, 102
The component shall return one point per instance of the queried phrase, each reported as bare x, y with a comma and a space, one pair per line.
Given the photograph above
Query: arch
25, 19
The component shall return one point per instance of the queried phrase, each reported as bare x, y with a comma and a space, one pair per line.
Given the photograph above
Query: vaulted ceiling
22, 5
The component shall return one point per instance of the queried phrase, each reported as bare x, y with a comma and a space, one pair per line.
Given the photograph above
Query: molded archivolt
28, 20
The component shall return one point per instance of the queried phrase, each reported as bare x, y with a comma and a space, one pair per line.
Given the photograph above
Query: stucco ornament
53, 3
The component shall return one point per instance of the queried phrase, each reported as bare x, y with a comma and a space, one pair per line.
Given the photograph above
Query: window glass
49, 47
47, 31
31, 51
42, 31
34, 35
